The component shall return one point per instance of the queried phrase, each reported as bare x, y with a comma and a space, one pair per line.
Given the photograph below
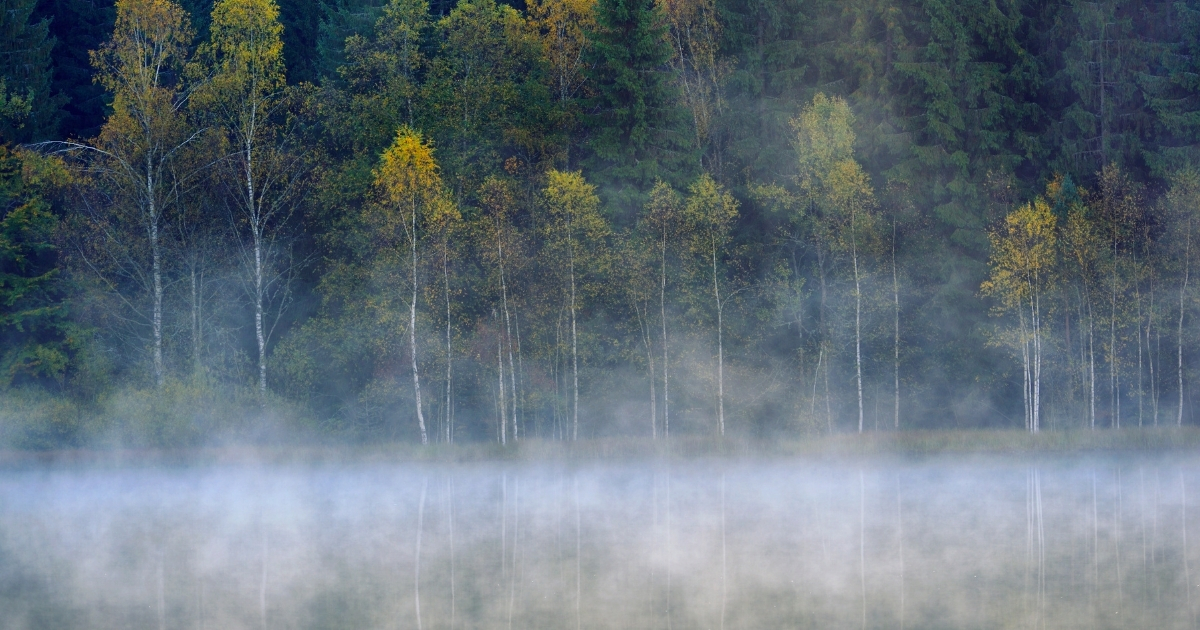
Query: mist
1068, 541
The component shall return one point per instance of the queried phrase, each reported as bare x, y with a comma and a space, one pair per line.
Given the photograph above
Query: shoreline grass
901, 444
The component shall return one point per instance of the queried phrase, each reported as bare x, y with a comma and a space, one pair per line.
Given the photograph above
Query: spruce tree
1173, 93
634, 124
77, 27
25, 47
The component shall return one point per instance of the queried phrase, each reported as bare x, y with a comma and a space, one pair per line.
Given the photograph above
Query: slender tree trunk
156, 272
1114, 403
1137, 289
823, 325
648, 344
519, 375
1091, 359
559, 416
574, 343
1036, 306
828, 404
412, 333
812, 408
1026, 384
260, 335
500, 375
1187, 253
197, 282
512, 380
256, 232
857, 327
720, 345
662, 305
449, 356
1152, 356
896, 321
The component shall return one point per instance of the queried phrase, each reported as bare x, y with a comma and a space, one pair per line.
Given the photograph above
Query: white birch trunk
662, 305
896, 339
1187, 253
500, 374
449, 356
156, 253
512, 371
412, 332
574, 339
720, 344
1114, 400
857, 327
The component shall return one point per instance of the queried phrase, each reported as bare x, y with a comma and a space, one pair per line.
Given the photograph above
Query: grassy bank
871, 445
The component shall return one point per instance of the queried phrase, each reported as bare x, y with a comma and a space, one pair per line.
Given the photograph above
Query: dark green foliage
37, 337
1174, 92
341, 20
78, 26
634, 120
301, 21
32, 110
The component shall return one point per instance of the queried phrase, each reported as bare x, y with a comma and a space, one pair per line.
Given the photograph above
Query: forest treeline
361, 220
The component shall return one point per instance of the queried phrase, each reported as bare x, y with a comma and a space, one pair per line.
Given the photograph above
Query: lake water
1073, 542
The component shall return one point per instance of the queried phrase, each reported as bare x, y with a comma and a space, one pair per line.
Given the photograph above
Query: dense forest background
359, 220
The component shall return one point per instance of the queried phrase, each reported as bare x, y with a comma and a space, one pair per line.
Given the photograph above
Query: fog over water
1073, 542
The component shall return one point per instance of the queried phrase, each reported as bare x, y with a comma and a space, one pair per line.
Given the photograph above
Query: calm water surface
982, 543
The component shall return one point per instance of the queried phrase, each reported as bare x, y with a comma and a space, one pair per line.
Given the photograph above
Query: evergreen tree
36, 333
78, 26
301, 20
1173, 93
635, 131
25, 74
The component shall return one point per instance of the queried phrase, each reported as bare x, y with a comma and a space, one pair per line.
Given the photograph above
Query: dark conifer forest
433, 221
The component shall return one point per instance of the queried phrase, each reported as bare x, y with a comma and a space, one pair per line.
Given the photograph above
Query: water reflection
1066, 543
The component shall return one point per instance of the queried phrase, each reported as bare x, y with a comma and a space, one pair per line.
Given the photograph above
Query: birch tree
662, 216
638, 279
695, 35
841, 193
709, 212
140, 151
409, 185
1022, 261
577, 228
1083, 246
444, 222
563, 26
498, 202
246, 95
1183, 203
